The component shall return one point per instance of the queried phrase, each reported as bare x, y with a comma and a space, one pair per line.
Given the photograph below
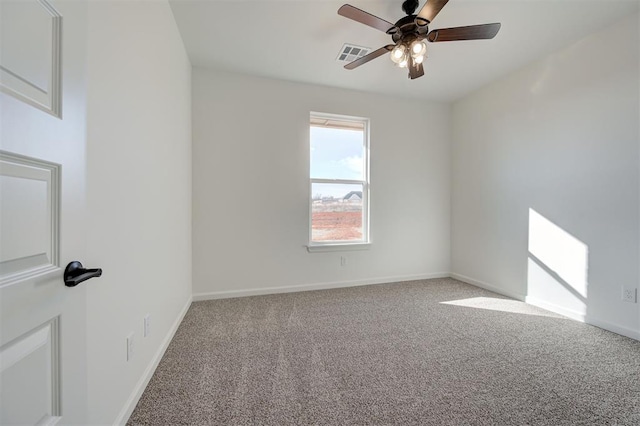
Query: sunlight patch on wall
557, 266
502, 305
559, 251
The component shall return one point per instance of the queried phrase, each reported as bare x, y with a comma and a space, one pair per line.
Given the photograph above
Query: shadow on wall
557, 268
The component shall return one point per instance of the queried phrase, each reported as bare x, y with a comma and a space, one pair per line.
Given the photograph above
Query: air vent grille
351, 52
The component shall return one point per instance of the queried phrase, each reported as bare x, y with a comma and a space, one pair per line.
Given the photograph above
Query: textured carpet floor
434, 352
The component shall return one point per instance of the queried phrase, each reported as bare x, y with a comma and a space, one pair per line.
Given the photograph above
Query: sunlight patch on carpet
502, 305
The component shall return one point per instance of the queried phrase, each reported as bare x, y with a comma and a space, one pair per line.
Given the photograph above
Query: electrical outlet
343, 260
147, 326
629, 294
130, 347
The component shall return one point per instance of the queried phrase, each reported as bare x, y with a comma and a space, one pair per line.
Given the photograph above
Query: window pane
337, 153
336, 212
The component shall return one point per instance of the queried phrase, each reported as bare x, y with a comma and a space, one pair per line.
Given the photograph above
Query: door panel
28, 217
29, 367
43, 334
30, 52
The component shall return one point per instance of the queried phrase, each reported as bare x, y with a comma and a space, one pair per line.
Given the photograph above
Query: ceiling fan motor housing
408, 30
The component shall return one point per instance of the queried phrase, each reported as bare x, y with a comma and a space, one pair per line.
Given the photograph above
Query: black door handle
74, 274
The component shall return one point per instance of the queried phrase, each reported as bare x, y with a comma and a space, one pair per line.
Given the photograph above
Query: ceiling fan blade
366, 18
473, 32
415, 70
371, 56
429, 11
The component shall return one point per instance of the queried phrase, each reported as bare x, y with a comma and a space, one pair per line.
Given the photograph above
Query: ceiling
299, 40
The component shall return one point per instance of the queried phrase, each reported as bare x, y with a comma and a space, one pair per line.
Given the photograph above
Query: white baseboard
569, 313
486, 286
624, 331
308, 287
131, 403
585, 318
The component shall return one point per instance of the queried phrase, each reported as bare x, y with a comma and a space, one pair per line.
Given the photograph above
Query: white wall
251, 186
139, 194
560, 136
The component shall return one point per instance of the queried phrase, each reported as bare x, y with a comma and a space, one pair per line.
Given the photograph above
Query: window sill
337, 247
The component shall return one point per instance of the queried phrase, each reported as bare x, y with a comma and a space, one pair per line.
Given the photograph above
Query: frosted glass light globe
418, 48
399, 53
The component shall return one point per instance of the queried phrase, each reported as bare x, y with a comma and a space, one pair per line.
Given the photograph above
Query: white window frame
319, 246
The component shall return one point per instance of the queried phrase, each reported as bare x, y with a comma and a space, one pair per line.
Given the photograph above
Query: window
339, 177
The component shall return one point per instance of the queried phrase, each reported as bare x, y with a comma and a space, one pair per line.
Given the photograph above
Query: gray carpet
390, 354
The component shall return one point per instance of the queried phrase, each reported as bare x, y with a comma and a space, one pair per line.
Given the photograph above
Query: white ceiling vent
351, 52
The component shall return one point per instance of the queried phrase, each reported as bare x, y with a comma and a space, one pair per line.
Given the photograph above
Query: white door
42, 211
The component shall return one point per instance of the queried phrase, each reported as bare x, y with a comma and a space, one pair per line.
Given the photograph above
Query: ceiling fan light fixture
410, 33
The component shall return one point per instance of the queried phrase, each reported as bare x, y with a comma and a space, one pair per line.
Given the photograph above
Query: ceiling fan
409, 33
